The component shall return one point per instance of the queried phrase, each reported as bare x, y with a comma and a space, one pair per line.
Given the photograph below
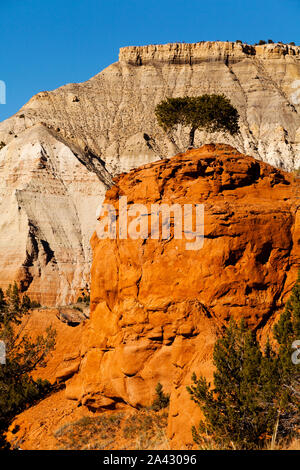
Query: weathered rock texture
157, 307
48, 202
61, 143
64, 360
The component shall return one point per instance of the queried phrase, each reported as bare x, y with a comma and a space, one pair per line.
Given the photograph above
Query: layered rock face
157, 307
106, 126
45, 226
112, 114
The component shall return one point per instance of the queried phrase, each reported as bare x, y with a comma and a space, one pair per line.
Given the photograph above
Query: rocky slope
62, 143
157, 307
45, 226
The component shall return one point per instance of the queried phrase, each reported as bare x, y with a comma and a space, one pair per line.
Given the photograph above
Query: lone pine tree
208, 112
23, 355
255, 392
161, 400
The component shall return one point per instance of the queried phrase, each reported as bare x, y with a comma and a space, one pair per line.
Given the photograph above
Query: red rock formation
157, 307
64, 360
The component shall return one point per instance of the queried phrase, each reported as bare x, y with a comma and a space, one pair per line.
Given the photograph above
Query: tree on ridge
208, 112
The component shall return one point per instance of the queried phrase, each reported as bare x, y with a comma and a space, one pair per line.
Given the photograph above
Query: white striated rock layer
48, 202
63, 146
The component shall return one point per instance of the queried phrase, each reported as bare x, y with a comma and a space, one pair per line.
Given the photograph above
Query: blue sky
48, 43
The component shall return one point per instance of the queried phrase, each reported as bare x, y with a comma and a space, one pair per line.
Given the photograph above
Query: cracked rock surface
63, 148
156, 307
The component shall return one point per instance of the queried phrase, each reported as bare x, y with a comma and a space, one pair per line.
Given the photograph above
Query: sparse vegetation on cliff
141, 430
256, 396
207, 112
161, 400
22, 356
84, 298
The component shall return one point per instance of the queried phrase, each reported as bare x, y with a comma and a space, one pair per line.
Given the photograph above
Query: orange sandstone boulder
157, 308
64, 360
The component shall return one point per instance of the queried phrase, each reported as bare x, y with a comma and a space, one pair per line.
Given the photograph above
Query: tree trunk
192, 135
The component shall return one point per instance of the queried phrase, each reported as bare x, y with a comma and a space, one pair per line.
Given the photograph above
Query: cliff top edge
183, 51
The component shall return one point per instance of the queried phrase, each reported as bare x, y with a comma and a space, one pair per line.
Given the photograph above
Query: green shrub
84, 298
89, 432
256, 393
208, 112
23, 355
161, 401
34, 304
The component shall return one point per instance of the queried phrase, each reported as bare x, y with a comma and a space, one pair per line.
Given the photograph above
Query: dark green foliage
255, 391
208, 112
34, 304
237, 409
286, 331
23, 355
161, 401
2, 144
84, 298
270, 41
261, 42
12, 308
292, 43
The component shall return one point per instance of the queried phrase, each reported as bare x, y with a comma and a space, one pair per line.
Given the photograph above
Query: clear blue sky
47, 43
